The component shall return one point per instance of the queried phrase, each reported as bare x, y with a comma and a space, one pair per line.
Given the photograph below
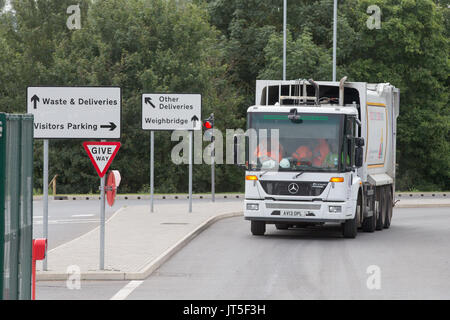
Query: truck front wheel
258, 228
350, 227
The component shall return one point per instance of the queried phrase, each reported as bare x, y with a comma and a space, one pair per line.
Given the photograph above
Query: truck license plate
293, 213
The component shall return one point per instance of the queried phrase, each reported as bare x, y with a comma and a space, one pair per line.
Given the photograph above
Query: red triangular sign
101, 154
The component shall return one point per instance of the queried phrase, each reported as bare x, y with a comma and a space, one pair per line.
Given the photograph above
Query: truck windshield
311, 143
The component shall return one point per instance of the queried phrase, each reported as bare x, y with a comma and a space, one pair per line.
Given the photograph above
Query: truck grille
293, 188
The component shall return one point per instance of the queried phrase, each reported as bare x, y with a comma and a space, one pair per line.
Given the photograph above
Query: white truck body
365, 194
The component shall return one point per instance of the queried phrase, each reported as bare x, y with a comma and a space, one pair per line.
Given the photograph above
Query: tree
141, 46
411, 51
304, 58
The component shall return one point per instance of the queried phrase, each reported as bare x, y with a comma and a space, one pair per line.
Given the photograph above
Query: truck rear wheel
381, 197
389, 209
258, 228
369, 223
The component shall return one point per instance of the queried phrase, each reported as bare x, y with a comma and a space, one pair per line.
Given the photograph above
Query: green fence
16, 205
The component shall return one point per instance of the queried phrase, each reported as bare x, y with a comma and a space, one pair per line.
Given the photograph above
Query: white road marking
81, 215
125, 291
67, 221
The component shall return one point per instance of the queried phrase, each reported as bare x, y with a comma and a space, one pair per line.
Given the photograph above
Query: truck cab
307, 157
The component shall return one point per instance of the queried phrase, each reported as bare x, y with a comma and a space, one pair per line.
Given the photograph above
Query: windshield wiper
263, 173
298, 174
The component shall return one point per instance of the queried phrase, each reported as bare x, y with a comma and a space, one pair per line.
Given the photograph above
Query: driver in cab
268, 158
319, 155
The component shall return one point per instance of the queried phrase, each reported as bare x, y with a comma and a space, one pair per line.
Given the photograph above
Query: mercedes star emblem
293, 188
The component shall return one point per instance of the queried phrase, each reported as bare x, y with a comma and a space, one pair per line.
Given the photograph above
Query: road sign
101, 154
171, 111
75, 112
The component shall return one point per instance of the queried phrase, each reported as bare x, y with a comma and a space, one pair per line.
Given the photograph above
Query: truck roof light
337, 179
253, 178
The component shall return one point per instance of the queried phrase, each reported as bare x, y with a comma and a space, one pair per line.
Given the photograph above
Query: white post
45, 190
102, 222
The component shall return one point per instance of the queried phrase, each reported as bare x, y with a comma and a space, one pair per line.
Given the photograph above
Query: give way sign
101, 154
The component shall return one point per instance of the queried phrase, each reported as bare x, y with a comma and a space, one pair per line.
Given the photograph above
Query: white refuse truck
324, 152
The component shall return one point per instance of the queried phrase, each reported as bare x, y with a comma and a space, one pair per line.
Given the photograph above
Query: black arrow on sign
148, 100
194, 119
35, 100
111, 125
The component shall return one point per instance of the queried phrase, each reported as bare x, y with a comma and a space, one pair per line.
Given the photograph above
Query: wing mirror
359, 142
359, 154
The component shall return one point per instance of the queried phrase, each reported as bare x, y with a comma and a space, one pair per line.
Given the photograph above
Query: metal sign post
213, 155
191, 143
334, 38
45, 207
284, 38
152, 168
102, 223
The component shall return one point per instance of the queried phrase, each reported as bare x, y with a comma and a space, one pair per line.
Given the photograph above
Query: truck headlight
253, 206
335, 209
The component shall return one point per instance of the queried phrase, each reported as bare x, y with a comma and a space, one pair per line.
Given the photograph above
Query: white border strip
127, 290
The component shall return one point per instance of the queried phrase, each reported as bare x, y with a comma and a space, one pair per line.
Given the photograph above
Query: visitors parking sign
75, 112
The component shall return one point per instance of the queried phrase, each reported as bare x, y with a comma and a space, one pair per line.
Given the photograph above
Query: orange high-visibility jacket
263, 154
320, 153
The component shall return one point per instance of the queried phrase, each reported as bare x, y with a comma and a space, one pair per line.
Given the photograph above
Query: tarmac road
411, 260
68, 219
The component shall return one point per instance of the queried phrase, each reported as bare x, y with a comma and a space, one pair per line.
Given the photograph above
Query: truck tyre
281, 226
381, 196
369, 223
389, 209
350, 227
258, 228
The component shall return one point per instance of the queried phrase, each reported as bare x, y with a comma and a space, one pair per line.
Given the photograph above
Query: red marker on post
112, 183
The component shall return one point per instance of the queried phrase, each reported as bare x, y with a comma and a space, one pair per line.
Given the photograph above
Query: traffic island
137, 241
